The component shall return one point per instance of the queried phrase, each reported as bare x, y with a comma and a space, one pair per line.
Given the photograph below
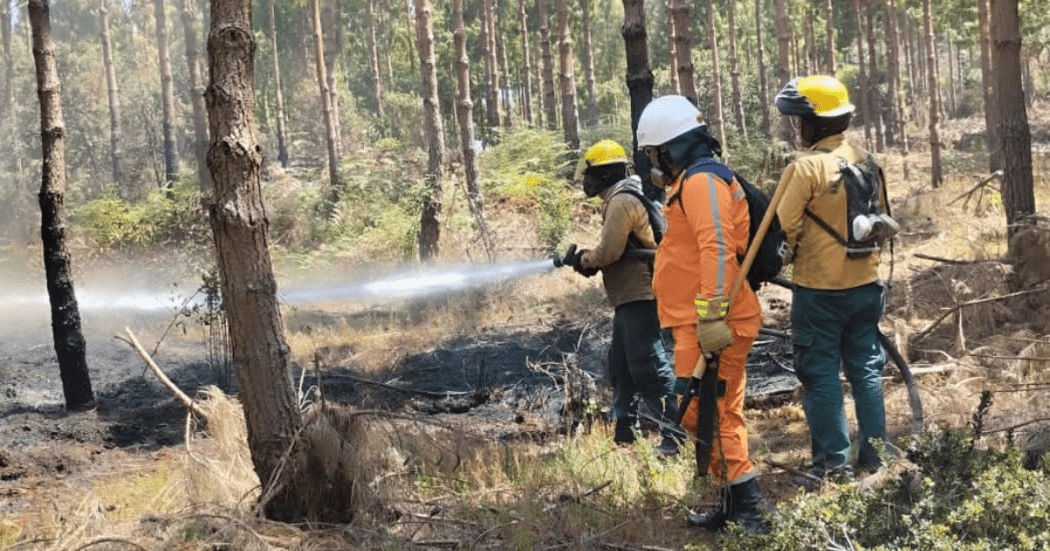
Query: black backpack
770, 257
863, 183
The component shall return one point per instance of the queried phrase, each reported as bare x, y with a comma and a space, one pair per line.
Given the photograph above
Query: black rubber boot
715, 519
624, 433
745, 501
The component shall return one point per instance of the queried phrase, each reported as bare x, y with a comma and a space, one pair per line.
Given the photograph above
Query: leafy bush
957, 497
531, 166
167, 217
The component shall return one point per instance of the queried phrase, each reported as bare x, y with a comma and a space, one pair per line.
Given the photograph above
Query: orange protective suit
707, 231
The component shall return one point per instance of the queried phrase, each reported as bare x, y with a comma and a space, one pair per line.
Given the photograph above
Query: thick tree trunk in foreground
1012, 126
113, 93
465, 116
167, 94
430, 220
570, 118
639, 84
200, 115
239, 225
70, 347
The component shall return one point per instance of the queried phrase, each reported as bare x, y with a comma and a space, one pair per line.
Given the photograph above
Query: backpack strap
843, 165
633, 241
705, 164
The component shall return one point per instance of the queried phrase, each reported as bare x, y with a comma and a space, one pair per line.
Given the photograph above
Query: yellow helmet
605, 152
815, 95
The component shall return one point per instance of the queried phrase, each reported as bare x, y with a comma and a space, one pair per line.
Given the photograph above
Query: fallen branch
1017, 426
979, 185
179, 394
951, 260
436, 395
961, 305
793, 470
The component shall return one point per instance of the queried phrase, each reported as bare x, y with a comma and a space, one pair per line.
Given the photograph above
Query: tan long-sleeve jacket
814, 181
625, 279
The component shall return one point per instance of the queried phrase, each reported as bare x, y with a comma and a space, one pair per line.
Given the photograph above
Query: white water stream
420, 283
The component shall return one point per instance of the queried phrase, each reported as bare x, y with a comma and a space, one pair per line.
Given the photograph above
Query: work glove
577, 264
567, 258
712, 332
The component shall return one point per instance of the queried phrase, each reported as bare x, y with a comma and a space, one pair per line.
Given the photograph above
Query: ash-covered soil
506, 384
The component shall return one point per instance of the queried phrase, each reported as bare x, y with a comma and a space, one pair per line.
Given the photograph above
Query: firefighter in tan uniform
707, 231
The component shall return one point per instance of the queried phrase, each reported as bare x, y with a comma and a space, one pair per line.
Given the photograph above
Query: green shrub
957, 497
166, 217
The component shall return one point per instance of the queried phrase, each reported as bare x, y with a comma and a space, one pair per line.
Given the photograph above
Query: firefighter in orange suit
707, 232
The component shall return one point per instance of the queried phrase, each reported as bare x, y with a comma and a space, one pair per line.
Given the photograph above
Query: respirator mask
662, 172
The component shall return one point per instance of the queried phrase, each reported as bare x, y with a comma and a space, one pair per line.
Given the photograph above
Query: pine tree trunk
113, 94
995, 161
1012, 124
952, 70
167, 94
808, 50
526, 58
588, 64
734, 72
783, 26
863, 106
874, 101
672, 49
829, 30
893, 75
936, 174
282, 124
259, 352
550, 102
373, 56
715, 123
639, 84
430, 221
70, 347
760, 54
7, 95
200, 115
567, 79
504, 75
465, 115
682, 13
898, 94
335, 189
488, 55
330, 53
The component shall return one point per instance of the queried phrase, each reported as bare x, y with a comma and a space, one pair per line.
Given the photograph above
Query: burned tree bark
70, 346
639, 83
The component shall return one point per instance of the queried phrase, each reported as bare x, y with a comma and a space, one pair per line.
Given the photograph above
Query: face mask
592, 185
657, 175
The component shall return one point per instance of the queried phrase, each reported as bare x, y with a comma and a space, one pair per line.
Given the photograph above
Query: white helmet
666, 118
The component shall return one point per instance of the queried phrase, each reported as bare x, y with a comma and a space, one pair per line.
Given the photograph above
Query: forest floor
115, 476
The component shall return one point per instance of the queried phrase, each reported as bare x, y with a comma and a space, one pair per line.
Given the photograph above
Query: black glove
576, 265
565, 260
